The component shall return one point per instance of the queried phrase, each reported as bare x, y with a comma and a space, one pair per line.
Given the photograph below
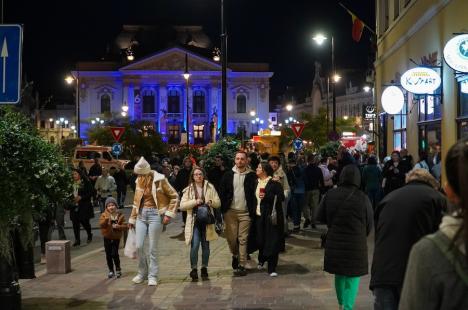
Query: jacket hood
237, 171
350, 175
280, 172
158, 176
450, 226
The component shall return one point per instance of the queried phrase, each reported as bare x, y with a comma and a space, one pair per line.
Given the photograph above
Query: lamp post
223, 72
320, 39
186, 76
70, 79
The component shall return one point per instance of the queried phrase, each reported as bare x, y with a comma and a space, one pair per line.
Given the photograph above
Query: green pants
346, 290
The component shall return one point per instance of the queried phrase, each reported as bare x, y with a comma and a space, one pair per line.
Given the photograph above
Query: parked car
89, 152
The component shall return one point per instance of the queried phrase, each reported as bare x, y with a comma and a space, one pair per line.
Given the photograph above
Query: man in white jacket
105, 187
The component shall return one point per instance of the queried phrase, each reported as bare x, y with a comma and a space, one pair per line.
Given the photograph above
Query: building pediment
173, 60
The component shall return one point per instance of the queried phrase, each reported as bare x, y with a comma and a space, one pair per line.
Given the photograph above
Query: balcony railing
174, 115
199, 115
149, 115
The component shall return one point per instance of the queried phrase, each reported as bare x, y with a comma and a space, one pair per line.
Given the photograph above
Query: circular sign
392, 100
420, 80
456, 53
117, 149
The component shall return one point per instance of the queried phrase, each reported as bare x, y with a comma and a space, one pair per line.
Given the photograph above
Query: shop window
105, 104
173, 101
399, 128
463, 109
241, 104
198, 101
430, 108
430, 140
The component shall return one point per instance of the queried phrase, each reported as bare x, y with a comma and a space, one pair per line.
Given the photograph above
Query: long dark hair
456, 168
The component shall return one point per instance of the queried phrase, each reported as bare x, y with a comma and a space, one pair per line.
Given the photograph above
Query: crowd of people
263, 199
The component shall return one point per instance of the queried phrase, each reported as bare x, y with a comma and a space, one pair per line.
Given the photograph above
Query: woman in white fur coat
199, 193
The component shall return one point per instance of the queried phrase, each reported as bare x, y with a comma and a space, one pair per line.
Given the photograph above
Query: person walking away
81, 209
112, 223
422, 163
402, 218
437, 271
327, 175
215, 176
199, 194
121, 181
348, 214
406, 160
182, 180
154, 205
269, 230
95, 171
371, 180
313, 182
393, 173
280, 176
81, 166
105, 186
237, 194
298, 193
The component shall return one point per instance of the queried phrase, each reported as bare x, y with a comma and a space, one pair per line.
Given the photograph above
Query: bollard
58, 256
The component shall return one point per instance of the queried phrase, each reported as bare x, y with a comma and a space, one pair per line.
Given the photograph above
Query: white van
89, 152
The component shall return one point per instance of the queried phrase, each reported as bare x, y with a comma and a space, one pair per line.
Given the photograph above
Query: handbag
130, 246
203, 214
274, 215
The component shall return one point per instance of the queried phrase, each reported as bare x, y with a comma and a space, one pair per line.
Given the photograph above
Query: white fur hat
142, 167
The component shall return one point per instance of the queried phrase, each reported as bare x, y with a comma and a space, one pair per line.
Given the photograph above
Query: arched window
241, 104
198, 101
105, 103
148, 102
173, 101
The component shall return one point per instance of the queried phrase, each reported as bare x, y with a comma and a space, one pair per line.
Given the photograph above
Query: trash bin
58, 256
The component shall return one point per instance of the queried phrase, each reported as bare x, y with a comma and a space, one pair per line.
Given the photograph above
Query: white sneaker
138, 279
273, 274
260, 267
152, 282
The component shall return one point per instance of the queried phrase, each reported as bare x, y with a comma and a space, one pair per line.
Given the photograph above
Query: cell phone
262, 190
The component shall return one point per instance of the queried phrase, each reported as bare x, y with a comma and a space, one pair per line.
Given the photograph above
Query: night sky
59, 33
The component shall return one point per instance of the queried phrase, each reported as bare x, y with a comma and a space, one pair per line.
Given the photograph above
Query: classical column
162, 109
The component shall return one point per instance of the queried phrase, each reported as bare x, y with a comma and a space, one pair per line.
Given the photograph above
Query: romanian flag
358, 27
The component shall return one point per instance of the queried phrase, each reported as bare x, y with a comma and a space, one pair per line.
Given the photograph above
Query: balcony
174, 115
199, 115
149, 115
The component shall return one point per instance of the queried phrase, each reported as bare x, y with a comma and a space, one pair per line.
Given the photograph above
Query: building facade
57, 124
413, 33
153, 89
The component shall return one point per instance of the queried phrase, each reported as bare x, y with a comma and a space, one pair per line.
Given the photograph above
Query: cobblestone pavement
301, 283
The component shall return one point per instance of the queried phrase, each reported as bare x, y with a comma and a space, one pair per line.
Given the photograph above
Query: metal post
328, 99
333, 84
188, 125
77, 100
223, 74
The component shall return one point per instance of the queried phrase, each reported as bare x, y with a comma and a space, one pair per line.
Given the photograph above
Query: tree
226, 148
34, 176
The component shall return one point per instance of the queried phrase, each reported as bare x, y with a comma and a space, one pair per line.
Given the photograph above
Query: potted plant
34, 177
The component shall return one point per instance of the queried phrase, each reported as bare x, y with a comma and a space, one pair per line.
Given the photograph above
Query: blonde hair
422, 175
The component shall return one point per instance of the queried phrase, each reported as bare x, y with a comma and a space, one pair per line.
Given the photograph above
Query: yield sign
117, 132
297, 128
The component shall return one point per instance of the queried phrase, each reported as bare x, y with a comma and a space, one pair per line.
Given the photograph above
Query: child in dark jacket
112, 224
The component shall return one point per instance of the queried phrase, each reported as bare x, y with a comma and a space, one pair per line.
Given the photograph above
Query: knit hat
142, 167
111, 200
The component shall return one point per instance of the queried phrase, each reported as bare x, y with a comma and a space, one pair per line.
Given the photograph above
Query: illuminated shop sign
456, 53
392, 100
420, 80
368, 112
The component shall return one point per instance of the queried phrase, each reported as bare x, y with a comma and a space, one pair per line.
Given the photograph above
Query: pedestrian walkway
301, 283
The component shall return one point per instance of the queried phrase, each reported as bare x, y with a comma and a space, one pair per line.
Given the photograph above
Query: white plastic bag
130, 246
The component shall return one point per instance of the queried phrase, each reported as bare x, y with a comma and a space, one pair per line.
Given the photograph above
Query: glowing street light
366, 88
69, 79
289, 107
252, 113
319, 38
336, 78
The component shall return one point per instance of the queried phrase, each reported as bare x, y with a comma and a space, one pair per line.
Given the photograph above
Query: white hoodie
449, 227
239, 202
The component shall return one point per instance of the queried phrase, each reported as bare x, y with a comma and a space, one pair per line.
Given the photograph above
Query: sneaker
260, 266
241, 272
138, 279
273, 274
152, 282
118, 273
235, 262
110, 275
204, 273
90, 238
194, 274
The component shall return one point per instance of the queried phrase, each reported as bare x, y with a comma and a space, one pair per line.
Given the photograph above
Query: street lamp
69, 80
320, 39
186, 76
223, 72
252, 113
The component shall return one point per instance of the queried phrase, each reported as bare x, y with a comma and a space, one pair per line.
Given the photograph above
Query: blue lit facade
155, 90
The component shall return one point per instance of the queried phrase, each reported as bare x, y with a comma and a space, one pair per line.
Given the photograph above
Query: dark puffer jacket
347, 212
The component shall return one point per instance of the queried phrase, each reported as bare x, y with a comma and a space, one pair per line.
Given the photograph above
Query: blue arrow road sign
297, 143
11, 41
117, 149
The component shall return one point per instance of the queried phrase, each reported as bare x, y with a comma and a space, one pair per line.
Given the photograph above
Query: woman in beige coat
199, 193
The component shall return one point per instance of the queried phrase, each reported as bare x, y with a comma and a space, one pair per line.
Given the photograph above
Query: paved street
301, 283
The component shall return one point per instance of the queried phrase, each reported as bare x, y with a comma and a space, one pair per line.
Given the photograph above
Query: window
174, 133
463, 109
42, 124
107, 156
105, 104
51, 125
198, 133
430, 139
173, 101
429, 108
148, 102
241, 104
198, 101
399, 128
396, 9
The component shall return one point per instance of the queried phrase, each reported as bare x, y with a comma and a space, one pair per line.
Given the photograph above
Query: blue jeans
296, 206
386, 298
149, 223
195, 246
